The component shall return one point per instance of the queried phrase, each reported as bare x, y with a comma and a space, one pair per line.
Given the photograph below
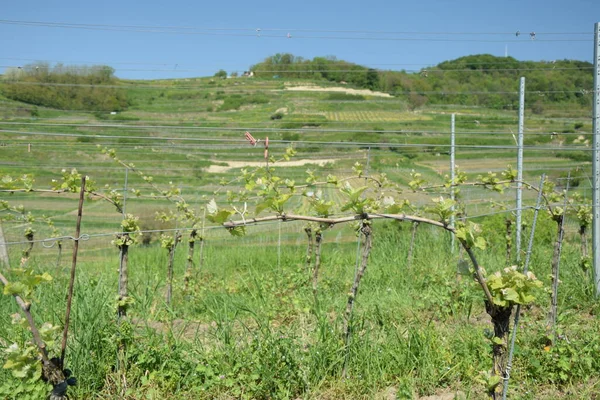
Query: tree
221, 74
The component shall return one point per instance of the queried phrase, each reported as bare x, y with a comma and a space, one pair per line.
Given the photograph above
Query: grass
248, 328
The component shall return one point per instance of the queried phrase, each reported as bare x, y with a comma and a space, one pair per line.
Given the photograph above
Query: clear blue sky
201, 55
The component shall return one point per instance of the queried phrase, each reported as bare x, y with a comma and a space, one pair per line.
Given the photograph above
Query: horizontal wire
229, 129
175, 63
181, 87
292, 29
312, 71
434, 110
353, 144
258, 33
86, 237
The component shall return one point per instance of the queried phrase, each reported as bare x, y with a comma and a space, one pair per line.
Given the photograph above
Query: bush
231, 103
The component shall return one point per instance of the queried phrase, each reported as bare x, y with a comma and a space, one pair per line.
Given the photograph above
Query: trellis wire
88, 236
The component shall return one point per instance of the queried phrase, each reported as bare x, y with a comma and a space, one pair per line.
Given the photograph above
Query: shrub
221, 74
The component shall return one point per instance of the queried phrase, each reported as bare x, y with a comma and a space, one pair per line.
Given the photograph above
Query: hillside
191, 131
469, 80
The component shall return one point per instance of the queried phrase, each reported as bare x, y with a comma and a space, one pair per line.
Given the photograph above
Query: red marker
251, 139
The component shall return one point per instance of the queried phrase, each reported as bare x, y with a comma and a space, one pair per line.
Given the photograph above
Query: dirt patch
242, 164
363, 92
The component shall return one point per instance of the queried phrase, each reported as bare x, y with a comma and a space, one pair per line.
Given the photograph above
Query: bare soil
242, 164
363, 92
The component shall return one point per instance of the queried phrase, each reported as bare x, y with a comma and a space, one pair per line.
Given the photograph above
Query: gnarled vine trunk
190, 258
309, 247
508, 223
123, 276
58, 257
367, 232
169, 292
27, 251
552, 314
583, 237
501, 322
318, 242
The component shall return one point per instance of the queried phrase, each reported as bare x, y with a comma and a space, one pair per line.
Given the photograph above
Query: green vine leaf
216, 215
237, 231
443, 208
511, 287
469, 234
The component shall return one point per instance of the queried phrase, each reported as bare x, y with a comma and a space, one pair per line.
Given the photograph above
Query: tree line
65, 87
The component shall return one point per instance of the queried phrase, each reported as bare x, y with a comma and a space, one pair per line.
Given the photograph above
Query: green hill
469, 80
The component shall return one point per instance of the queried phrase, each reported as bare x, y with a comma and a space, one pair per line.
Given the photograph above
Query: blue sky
173, 55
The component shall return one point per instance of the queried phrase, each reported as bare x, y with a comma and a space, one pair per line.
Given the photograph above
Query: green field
248, 326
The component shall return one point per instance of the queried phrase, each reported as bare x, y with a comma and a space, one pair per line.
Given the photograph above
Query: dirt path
364, 92
242, 164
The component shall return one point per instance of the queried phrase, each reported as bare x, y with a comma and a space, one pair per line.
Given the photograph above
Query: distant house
248, 74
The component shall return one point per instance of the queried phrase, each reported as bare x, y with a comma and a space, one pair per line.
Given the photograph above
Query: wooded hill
477, 80
470, 80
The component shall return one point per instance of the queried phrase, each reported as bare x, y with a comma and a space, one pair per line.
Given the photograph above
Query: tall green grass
249, 327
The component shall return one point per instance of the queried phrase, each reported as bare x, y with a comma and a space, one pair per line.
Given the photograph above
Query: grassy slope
189, 108
418, 332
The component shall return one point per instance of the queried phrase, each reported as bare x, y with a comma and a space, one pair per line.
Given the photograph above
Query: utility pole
596, 161
520, 167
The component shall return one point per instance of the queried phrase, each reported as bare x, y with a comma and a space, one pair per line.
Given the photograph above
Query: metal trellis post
596, 161
3, 250
452, 167
520, 168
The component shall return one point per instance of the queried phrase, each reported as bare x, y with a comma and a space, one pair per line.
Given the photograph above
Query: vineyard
331, 252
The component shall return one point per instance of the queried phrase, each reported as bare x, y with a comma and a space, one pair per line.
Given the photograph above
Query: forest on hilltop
482, 80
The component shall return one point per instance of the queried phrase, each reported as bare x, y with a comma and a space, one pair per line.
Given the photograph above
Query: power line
258, 32
361, 70
173, 63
